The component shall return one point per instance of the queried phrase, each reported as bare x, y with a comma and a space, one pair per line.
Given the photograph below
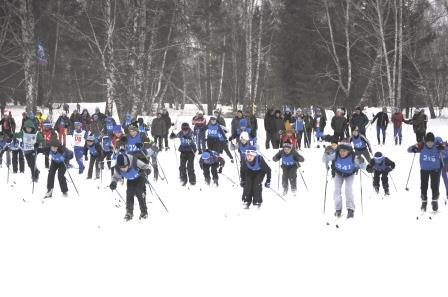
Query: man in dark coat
382, 121
167, 119
360, 120
419, 122
279, 126
158, 129
269, 127
338, 124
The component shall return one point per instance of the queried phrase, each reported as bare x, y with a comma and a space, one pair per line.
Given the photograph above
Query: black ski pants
435, 179
289, 176
136, 187
253, 187
60, 168
187, 166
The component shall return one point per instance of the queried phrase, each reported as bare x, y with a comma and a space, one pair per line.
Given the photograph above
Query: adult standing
269, 127
397, 119
158, 129
338, 124
167, 119
382, 121
278, 128
360, 120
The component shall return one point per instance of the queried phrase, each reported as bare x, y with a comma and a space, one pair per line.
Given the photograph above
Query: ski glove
267, 184
138, 145
414, 149
232, 161
242, 183
113, 185
369, 169
220, 169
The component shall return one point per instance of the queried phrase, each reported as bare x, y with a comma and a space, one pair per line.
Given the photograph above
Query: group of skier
130, 154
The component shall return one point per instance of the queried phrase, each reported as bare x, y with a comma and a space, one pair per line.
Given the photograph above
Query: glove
230, 138
388, 169
36, 145
220, 169
369, 169
232, 161
414, 149
242, 183
360, 159
172, 135
86, 158
267, 184
147, 171
113, 185
139, 145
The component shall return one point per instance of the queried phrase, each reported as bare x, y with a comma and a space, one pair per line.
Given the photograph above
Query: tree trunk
366, 96
259, 56
248, 32
109, 57
139, 54
223, 62
29, 52
400, 56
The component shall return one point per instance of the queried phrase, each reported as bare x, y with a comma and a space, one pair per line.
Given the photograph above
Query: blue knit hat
243, 123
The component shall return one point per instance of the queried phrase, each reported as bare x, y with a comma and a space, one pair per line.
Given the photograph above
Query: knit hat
28, 124
287, 109
54, 141
90, 138
439, 140
132, 128
243, 123
185, 126
244, 135
358, 108
117, 129
251, 151
429, 137
212, 118
122, 160
334, 139
287, 144
47, 124
205, 156
345, 145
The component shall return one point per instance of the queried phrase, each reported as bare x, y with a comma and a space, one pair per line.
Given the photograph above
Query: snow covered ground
208, 246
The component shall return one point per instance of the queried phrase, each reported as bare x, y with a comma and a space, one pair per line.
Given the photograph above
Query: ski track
207, 245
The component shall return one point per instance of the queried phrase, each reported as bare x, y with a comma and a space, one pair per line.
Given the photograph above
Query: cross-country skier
211, 161
444, 170
59, 156
344, 164
32, 140
15, 145
380, 166
361, 144
135, 172
48, 133
96, 155
213, 133
431, 157
381, 124
187, 149
79, 137
290, 159
253, 170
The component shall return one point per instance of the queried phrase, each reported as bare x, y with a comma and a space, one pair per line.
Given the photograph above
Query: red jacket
291, 138
397, 119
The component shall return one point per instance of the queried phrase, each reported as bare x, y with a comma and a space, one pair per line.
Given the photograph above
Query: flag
41, 56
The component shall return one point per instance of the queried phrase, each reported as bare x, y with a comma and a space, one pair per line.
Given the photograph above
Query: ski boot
350, 213
377, 190
435, 205
338, 213
65, 194
128, 216
257, 204
143, 216
207, 181
49, 194
386, 192
192, 182
285, 192
246, 205
424, 204
183, 183
215, 182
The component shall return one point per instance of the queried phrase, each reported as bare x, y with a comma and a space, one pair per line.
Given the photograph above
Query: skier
59, 156
431, 157
213, 133
289, 136
309, 125
109, 124
361, 144
106, 145
136, 143
198, 123
290, 159
380, 166
344, 166
32, 140
382, 121
444, 170
79, 137
16, 147
96, 155
397, 119
254, 168
187, 149
299, 127
319, 123
211, 161
48, 133
4, 148
61, 126
135, 172
244, 128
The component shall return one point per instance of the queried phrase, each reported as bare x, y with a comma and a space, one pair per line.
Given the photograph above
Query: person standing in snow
187, 149
361, 144
344, 166
299, 127
96, 155
360, 120
431, 156
338, 124
211, 161
382, 121
397, 119
253, 170
79, 136
319, 123
290, 159
59, 156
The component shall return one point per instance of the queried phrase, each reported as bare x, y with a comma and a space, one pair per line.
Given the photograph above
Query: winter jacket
418, 122
382, 119
159, 127
360, 121
288, 160
258, 164
338, 124
269, 125
166, 118
63, 122
397, 119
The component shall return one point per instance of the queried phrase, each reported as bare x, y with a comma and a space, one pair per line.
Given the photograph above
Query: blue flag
41, 56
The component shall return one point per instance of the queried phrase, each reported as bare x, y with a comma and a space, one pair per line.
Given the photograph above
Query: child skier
32, 140
254, 168
48, 133
361, 144
344, 166
213, 133
106, 145
431, 157
79, 137
135, 172
136, 143
96, 155
187, 149
210, 160
59, 156
290, 159
18, 161
380, 166
4, 148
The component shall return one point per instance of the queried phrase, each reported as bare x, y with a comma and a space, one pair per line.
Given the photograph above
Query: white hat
244, 135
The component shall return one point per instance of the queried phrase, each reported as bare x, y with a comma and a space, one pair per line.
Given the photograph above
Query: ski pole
410, 170
151, 186
34, 171
325, 193
360, 186
231, 180
278, 176
236, 161
119, 195
175, 152
66, 169
393, 183
303, 179
276, 193
163, 172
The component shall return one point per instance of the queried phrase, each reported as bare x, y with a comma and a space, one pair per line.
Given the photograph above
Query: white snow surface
208, 246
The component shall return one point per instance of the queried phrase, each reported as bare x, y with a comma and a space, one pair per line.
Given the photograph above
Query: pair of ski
426, 214
338, 221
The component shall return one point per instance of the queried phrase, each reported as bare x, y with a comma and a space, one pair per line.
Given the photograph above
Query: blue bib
107, 142
430, 158
130, 174
345, 166
358, 143
213, 131
380, 164
56, 157
92, 150
299, 125
288, 160
109, 126
132, 141
255, 165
